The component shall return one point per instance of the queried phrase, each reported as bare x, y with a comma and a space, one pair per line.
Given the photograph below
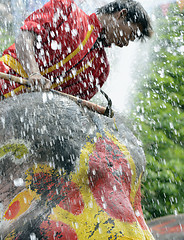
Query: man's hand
38, 82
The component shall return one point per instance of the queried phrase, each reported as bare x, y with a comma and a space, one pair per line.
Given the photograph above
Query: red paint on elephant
138, 210
13, 210
55, 230
72, 201
110, 180
54, 189
43, 182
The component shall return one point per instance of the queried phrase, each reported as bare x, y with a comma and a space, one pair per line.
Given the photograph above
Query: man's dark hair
135, 14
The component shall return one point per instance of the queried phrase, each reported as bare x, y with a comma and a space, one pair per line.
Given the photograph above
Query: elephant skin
68, 172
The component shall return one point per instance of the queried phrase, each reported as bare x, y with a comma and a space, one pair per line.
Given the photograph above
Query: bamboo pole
20, 80
84, 103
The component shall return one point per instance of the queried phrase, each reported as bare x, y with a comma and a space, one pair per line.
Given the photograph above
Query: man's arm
25, 52
25, 49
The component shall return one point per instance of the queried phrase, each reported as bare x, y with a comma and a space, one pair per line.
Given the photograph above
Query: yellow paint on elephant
94, 223
11, 235
23, 200
17, 149
38, 168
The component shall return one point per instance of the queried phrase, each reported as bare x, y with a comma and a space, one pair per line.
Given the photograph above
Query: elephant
68, 172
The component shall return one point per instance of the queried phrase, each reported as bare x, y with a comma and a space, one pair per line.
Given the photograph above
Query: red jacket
64, 53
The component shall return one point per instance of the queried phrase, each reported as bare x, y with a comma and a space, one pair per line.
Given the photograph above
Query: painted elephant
67, 172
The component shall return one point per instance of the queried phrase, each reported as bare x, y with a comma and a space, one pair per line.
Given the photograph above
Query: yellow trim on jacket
17, 67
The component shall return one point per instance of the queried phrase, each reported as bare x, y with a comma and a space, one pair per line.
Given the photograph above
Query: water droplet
44, 97
54, 45
18, 182
33, 236
137, 213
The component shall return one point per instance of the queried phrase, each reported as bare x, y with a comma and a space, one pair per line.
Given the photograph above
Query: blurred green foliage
6, 39
159, 116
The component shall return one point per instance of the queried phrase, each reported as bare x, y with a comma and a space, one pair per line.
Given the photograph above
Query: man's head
124, 20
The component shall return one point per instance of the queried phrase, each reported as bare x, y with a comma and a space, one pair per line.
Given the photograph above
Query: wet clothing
63, 50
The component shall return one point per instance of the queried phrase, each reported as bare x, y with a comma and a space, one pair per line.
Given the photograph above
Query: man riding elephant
61, 47
66, 172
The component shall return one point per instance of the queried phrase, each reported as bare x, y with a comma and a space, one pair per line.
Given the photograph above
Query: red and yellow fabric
65, 37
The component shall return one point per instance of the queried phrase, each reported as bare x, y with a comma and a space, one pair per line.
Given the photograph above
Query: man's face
119, 31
